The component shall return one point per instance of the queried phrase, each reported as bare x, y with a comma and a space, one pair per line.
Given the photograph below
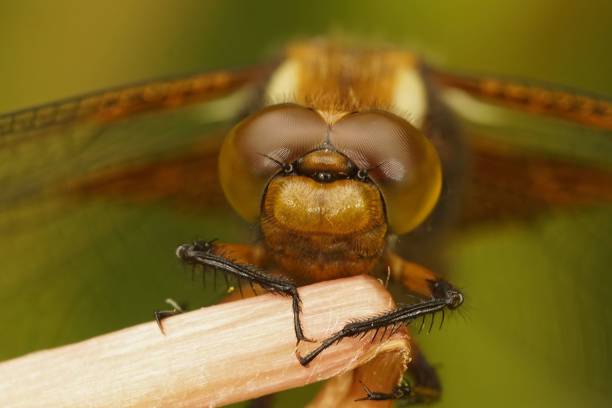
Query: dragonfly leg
248, 254
438, 295
394, 319
398, 392
426, 284
420, 280
241, 262
420, 383
160, 315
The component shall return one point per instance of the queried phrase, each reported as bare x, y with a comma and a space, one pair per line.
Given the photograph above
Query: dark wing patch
509, 183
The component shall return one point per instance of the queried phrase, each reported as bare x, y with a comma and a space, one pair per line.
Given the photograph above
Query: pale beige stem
209, 357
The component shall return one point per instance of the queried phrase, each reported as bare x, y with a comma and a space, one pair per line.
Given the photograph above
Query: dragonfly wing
511, 183
530, 96
532, 256
91, 213
124, 101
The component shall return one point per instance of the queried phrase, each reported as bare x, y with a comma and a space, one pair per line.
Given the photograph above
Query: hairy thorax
319, 231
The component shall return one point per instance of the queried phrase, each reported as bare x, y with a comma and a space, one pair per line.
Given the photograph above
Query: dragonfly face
324, 188
350, 148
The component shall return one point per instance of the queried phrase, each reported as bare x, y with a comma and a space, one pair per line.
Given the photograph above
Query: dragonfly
105, 172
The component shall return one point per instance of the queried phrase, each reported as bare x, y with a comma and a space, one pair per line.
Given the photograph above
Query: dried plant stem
209, 357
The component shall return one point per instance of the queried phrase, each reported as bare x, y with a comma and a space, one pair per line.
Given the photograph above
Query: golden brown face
331, 173
323, 195
320, 219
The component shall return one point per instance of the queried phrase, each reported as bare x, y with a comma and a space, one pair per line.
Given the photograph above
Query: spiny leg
441, 295
402, 391
216, 256
401, 315
417, 279
241, 253
162, 314
425, 387
424, 283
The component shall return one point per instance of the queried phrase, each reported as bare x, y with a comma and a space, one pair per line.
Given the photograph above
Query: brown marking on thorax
335, 78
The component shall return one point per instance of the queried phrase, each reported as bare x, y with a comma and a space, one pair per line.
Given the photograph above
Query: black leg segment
202, 253
394, 319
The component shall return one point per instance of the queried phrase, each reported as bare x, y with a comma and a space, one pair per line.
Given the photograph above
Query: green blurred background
536, 329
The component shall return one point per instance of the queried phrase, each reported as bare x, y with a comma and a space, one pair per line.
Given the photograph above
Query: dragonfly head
292, 150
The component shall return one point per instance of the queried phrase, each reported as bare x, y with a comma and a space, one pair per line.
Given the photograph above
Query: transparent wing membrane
523, 165
531, 245
114, 103
523, 162
532, 97
92, 210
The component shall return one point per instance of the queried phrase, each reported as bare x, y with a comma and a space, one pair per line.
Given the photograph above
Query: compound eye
263, 145
398, 158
